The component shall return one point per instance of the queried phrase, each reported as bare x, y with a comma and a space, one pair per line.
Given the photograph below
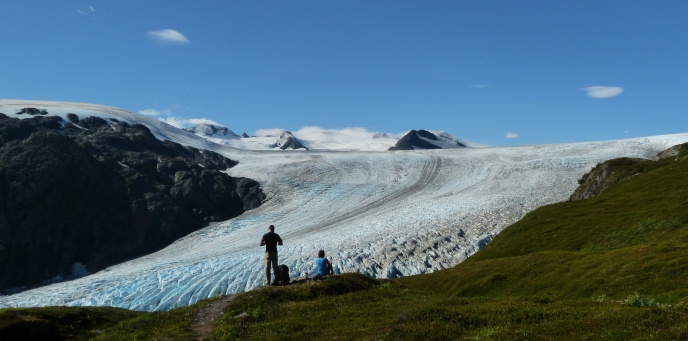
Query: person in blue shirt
323, 266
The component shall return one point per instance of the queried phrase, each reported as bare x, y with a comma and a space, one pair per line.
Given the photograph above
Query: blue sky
491, 72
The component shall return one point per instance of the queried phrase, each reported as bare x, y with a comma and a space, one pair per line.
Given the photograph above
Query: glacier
384, 214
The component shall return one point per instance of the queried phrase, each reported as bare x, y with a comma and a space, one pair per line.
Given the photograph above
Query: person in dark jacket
271, 240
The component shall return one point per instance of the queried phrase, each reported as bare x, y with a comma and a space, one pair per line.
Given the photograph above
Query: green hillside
633, 237
609, 267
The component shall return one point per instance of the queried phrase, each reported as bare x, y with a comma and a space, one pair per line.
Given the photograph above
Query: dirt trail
206, 318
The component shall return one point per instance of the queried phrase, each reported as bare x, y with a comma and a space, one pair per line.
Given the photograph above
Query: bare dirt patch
205, 319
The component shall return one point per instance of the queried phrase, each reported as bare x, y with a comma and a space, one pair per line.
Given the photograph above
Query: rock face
77, 196
608, 173
212, 130
599, 179
288, 141
423, 139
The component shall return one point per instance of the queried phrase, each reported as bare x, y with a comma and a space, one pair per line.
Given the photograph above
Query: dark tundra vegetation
81, 194
611, 266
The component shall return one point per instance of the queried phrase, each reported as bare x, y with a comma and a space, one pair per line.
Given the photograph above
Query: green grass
392, 311
631, 238
611, 267
60, 323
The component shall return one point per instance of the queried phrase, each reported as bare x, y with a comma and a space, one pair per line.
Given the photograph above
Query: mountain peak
211, 130
288, 141
424, 139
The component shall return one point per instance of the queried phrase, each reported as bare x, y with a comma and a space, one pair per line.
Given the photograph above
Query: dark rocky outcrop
77, 196
212, 130
606, 174
601, 177
418, 139
678, 152
288, 141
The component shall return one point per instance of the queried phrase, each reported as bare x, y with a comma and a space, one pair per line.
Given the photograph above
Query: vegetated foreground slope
385, 214
630, 238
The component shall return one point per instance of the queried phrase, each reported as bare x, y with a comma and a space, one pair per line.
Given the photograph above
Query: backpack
283, 274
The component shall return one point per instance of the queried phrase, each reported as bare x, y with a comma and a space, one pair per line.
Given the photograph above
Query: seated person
323, 266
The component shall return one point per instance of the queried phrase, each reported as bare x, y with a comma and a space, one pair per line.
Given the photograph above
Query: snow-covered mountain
212, 131
315, 138
288, 141
386, 214
283, 140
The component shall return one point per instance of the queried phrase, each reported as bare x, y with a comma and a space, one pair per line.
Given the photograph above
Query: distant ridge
211, 130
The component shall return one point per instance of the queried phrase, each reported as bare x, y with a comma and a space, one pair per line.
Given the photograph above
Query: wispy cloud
195, 121
511, 135
150, 112
599, 91
269, 132
345, 134
167, 116
87, 11
479, 86
181, 122
168, 36
354, 138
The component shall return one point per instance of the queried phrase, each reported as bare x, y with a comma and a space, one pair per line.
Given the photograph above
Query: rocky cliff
606, 174
80, 194
423, 139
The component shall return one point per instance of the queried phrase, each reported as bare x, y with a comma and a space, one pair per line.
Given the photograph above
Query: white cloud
196, 121
338, 139
479, 86
342, 135
181, 122
150, 112
166, 115
168, 36
87, 11
175, 121
323, 135
599, 91
269, 132
511, 135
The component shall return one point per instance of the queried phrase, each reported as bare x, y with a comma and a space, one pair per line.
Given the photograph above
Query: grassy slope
631, 238
560, 273
59, 323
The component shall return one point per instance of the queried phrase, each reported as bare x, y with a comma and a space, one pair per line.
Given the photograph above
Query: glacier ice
385, 214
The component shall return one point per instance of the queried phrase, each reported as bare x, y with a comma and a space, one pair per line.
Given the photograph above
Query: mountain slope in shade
79, 193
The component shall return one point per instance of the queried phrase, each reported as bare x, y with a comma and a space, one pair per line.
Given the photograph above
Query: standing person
271, 240
322, 265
